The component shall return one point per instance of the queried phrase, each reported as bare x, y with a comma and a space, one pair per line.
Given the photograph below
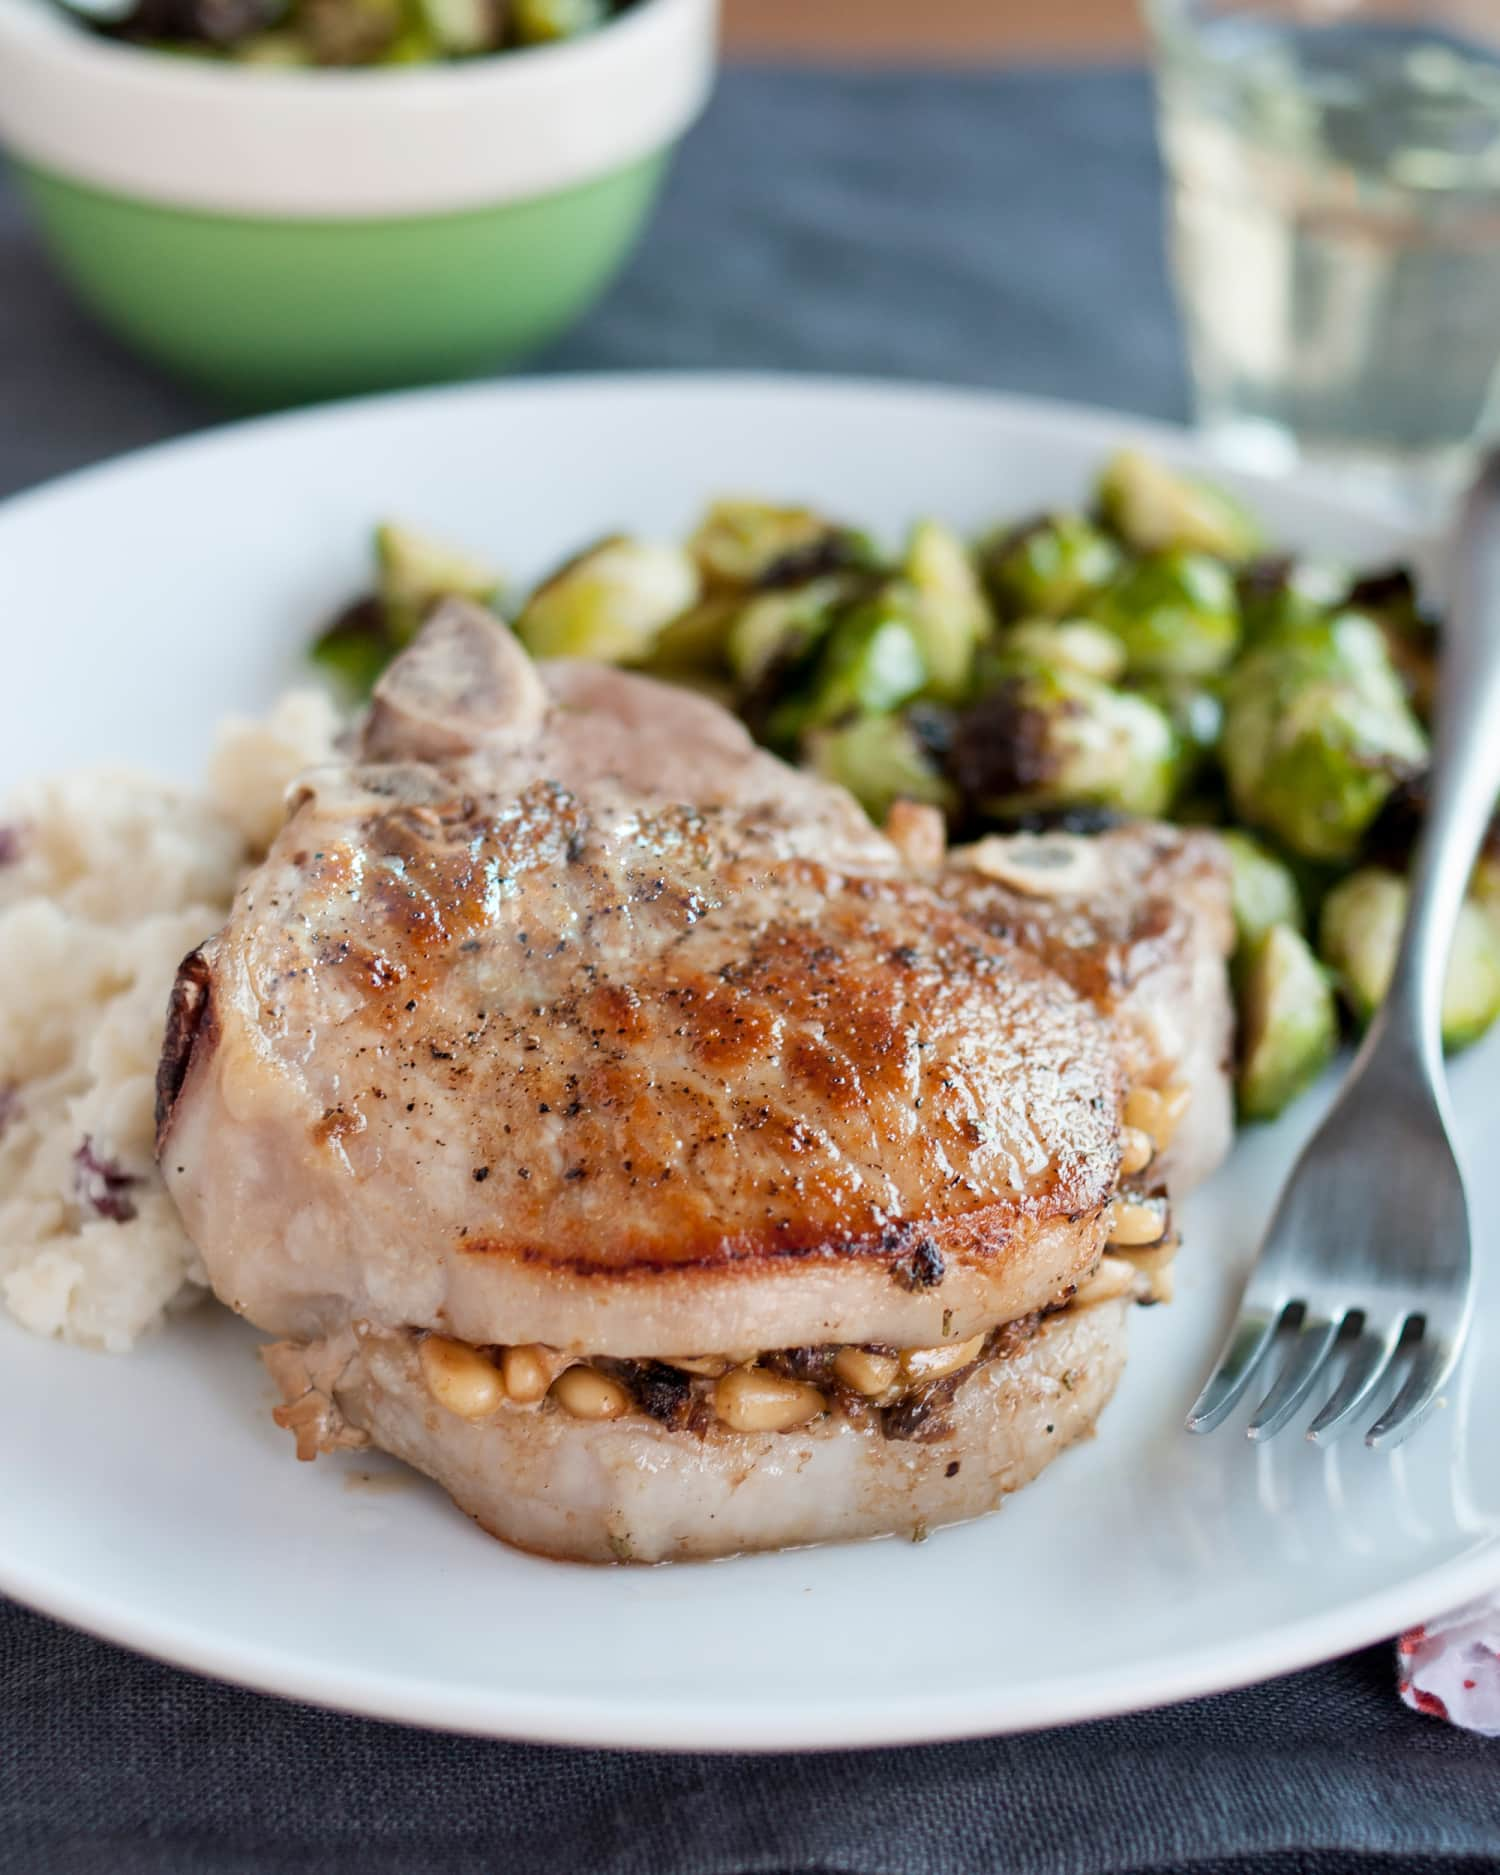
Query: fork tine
1235, 1368
1295, 1381
1368, 1361
1433, 1363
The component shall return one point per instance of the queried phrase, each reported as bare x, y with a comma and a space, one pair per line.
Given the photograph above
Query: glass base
1418, 487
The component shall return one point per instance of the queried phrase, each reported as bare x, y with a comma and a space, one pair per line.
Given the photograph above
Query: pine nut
587, 1394
1154, 1268
918, 832
1157, 1111
526, 1373
708, 1365
1137, 1150
1114, 1277
919, 1365
460, 1378
1132, 1223
749, 1399
864, 1372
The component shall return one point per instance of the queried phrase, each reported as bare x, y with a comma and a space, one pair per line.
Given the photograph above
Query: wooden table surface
940, 32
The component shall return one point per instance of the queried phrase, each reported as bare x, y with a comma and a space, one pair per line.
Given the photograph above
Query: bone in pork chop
564, 1034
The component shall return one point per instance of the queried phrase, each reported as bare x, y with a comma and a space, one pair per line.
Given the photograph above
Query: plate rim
587, 1722
719, 1724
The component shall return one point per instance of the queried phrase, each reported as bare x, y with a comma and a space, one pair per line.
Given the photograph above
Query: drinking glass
1334, 174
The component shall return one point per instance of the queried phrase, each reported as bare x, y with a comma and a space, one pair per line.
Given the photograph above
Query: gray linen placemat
997, 229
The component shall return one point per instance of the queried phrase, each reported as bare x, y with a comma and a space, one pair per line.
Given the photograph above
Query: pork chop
567, 1036
522, 1042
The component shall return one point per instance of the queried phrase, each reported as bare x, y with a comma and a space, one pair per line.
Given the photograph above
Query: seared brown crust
1105, 942
1141, 926
190, 1019
786, 1062
582, 1065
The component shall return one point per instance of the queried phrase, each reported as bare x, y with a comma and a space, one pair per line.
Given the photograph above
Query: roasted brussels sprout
1279, 594
356, 647
611, 602
1263, 890
1051, 567
1484, 887
414, 571
1153, 510
301, 33
1288, 1022
1070, 644
536, 22
880, 760
696, 642
950, 613
1195, 708
1411, 634
1391, 839
1316, 734
457, 28
278, 48
349, 32
1360, 930
1048, 737
1175, 614
776, 630
872, 663
745, 543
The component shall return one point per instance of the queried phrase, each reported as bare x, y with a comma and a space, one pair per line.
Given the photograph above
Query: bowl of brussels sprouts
1145, 655
284, 199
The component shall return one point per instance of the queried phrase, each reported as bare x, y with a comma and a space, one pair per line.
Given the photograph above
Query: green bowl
263, 311
274, 236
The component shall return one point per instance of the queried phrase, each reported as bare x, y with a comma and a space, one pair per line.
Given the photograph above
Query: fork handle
1464, 780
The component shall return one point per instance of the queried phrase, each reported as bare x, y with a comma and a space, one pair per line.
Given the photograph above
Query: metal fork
1368, 1254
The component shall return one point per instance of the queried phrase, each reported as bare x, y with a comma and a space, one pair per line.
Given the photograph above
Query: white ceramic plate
150, 1499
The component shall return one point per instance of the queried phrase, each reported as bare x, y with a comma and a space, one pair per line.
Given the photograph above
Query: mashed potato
106, 882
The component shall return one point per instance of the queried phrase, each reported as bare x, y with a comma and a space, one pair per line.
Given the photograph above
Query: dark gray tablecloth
995, 229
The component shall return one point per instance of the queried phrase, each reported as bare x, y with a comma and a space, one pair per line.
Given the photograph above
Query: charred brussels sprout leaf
1281, 595
1153, 510
880, 761
1412, 636
1046, 738
772, 633
1051, 568
749, 543
1175, 614
611, 603
1359, 933
1288, 1022
1316, 734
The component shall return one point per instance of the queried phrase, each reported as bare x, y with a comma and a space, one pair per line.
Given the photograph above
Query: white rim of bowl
313, 145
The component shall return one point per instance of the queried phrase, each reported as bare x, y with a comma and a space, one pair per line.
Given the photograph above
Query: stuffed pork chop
616, 1127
